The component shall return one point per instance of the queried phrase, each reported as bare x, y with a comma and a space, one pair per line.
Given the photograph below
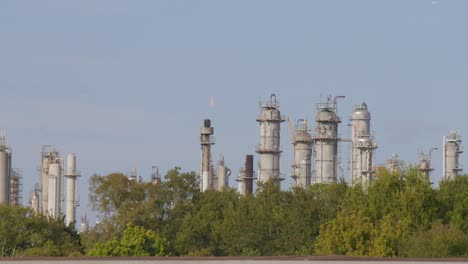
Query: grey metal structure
222, 175
155, 176
452, 151
302, 144
206, 140
326, 142
35, 200
47, 156
16, 187
55, 184
394, 164
71, 201
424, 163
270, 120
246, 177
5, 171
362, 146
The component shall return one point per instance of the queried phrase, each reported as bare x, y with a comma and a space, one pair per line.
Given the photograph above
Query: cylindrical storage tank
4, 177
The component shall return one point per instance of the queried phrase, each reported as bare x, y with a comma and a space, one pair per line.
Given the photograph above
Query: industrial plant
316, 151
316, 159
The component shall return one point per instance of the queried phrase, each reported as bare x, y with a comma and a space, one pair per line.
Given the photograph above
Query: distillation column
35, 201
452, 151
270, 120
71, 201
223, 173
55, 185
16, 187
424, 163
362, 146
206, 141
302, 166
246, 177
326, 142
46, 158
394, 164
5, 171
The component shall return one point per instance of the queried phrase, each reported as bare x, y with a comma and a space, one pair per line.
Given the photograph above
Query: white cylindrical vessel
4, 177
71, 164
270, 120
70, 215
55, 189
35, 201
326, 144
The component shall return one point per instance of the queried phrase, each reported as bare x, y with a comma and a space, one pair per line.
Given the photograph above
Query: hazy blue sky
129, 82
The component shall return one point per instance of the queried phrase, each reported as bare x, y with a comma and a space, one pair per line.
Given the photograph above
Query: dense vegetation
399, 215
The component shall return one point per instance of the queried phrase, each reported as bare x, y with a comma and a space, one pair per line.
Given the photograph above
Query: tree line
398, 215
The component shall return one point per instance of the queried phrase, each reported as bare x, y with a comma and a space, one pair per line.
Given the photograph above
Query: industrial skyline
113, 81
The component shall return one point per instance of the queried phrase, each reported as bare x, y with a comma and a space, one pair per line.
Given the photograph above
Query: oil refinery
315, 149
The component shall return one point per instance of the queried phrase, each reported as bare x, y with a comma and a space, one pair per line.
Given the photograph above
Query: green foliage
24, 233
398, 214
439, 241
136, 241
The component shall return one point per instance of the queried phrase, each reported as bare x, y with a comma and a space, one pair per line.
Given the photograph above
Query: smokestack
206, 168
246, 177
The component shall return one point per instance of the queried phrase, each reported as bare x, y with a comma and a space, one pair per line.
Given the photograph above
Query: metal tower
35, 200
424, 163
55, 186
47, 157
222, 175
71, 201
394, 164
5, 170
206, 140
302, 143
155, 177
362, 146
452, 151
326, 141
16, 187
270, 120
246, 177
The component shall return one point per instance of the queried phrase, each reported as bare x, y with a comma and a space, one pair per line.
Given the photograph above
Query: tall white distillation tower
55, 186
452, 151
5, 170
71, 201
362, 146
47, 157
302, 144
222, 175
206, 140
270, 120
326, 142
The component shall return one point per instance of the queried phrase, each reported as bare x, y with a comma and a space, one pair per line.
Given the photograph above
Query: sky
128, 83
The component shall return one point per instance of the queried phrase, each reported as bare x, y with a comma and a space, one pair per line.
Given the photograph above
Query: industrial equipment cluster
315, 159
